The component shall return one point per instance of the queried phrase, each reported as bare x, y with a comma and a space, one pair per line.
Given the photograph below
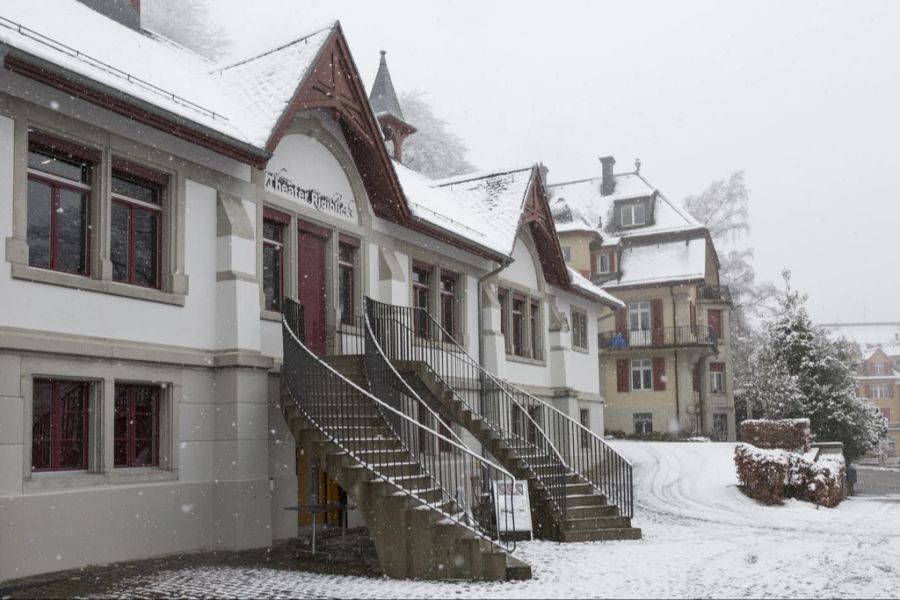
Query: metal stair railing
582, 451
412, 335
351, 418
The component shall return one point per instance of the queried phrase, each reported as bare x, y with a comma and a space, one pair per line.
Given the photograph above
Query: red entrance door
312, 286
714, 320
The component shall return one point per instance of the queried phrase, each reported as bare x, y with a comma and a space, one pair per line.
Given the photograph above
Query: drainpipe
675, 331
503, 264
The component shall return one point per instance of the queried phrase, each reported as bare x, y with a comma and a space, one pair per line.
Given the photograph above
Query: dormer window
632, 215
879, 368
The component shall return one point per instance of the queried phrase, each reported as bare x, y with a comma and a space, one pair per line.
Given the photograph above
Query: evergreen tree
797, 372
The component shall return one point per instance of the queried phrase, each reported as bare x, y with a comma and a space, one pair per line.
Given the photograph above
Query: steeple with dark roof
387, 110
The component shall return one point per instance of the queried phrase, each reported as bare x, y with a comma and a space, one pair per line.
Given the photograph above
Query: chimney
544, 170
124, 12
637, 165
607, 184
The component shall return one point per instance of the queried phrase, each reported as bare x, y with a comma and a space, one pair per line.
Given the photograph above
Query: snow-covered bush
770, 476
763, 473
785, 434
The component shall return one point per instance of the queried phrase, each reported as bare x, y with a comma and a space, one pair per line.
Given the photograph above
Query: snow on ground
702, 538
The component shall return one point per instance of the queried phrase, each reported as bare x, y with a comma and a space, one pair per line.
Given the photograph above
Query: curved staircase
424, 507
580, 488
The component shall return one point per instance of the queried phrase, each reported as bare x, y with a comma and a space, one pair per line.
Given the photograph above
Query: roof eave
122, 103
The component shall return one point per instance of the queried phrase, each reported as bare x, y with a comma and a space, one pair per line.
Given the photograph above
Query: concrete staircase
418, 534
587, 515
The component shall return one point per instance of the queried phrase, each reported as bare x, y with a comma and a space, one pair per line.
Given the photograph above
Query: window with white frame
878, 368
717, 378
643, 423
632, 215
603, 262
879, 391
639, 316
641, 374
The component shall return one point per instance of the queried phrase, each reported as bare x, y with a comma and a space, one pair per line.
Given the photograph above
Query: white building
156, 211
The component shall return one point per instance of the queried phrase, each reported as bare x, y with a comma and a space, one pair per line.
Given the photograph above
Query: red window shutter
659, 374
656, 321
714, 320
621, 320
890, 391
612, 261
866, 393
622, 376
887, 413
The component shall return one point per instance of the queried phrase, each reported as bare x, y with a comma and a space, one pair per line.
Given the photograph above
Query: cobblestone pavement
356, 558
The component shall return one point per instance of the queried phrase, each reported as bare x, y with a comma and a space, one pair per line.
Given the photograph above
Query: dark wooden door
312, 288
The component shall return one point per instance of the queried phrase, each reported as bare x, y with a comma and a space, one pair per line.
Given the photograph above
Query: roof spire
386, 107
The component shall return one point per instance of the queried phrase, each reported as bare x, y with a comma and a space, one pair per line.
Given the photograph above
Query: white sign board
513, 510
304, 170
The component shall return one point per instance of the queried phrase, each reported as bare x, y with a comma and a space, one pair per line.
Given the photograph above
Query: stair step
602, 535
585, 500
586, 512
570, 524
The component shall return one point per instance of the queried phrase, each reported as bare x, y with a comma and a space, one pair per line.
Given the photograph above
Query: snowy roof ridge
454, 179
239, 62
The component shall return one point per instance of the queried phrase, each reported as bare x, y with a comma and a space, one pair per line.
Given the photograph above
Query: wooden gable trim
536, 214
334, 84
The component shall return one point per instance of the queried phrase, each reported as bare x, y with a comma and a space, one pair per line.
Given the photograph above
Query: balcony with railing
714, 293
683, 336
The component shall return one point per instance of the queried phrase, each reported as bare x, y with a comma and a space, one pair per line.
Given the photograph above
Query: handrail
322, 394
397, 383
579, 449
500, 409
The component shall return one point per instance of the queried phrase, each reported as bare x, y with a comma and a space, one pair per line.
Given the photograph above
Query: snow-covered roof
452, 210
495, 200
866, 335
242, 101
584, 284
675, 260
584, 197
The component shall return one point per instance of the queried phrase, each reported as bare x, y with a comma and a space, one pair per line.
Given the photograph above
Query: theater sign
305, 171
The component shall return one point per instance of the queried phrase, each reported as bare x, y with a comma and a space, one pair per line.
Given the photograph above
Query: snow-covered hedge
792, 435
770, 476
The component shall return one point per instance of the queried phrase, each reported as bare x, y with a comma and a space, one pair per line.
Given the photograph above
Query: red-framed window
136, 442
421, 284
59, 431
348, 248
448, 291
59, 204
503, 299
534, 316
135, 231
519, 308
274, 227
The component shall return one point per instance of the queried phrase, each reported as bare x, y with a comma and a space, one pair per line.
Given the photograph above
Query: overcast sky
803, 96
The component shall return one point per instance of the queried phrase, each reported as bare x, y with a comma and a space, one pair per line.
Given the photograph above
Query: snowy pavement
702, 538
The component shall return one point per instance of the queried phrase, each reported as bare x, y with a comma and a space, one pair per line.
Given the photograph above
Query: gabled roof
583, 196
663, 262
865, 335
383, 97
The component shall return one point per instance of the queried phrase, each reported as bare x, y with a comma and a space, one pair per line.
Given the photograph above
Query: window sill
141, 475
79, 282
269, 315
58, 480
581, 350
526, 361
